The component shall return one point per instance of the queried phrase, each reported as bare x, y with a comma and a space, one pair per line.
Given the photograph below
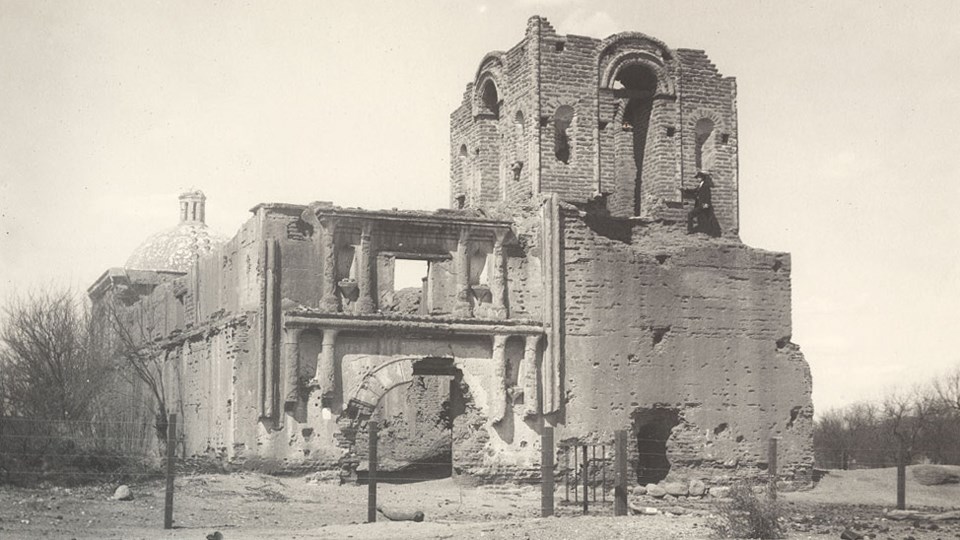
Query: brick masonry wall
568, 77
680, 321
704, 93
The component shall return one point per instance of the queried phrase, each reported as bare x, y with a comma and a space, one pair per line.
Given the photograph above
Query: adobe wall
208, 324
309, 437
664, 320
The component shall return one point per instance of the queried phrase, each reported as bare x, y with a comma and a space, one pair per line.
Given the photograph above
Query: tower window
561, 140
490, 99
705, 144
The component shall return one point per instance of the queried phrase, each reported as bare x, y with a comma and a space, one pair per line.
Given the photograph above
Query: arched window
705, 144
490, 99
561, 138
518, 123
637, 83
463, 152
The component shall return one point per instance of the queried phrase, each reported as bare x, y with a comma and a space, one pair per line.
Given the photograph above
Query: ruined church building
564, 287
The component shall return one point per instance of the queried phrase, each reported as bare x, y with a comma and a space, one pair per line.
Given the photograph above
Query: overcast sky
848, 118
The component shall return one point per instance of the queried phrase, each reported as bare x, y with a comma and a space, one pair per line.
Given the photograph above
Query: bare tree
947, 389
907, 414
50, 368
141, 358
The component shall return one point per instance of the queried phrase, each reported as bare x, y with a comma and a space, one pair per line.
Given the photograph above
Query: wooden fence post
546, 472
901, 476
772, 467
171, 459
372, 428
620, 466
586, 480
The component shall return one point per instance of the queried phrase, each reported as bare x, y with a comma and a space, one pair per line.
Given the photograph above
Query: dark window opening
637, 117
490, 99
637, 84
559, 46
561, 138
636, 77
652, 428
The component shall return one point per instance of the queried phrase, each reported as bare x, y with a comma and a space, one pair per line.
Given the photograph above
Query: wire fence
593, 475
74, 452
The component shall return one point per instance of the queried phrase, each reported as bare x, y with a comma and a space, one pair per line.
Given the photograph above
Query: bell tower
623, 124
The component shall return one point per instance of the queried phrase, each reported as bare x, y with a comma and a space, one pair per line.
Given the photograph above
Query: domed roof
175, 248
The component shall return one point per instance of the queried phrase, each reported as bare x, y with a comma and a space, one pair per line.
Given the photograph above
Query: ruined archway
419, 427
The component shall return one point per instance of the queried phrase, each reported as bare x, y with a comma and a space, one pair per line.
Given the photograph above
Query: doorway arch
437, 439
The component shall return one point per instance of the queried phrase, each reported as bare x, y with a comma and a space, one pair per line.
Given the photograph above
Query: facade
567, 286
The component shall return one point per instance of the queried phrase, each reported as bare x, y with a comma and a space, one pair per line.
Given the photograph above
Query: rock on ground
655, 491
123, 493
676, 489
696, 488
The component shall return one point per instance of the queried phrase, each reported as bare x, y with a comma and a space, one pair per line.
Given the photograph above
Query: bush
747, 515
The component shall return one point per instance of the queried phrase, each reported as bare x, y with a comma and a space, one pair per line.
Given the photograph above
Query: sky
848, 133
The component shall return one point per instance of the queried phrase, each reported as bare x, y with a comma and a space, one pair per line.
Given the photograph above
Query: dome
175, 248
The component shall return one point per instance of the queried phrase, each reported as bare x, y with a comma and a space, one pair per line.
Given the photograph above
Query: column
462, 260
498, 398
365, 303
498, 289
528, 376
329, 300
270, 364
325, 378
291, 365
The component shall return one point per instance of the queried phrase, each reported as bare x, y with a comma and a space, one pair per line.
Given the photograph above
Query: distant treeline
922, 424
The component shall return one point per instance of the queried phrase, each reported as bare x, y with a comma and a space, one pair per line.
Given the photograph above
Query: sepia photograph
530, 269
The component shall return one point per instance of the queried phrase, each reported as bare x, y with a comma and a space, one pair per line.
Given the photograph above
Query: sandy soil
254, 506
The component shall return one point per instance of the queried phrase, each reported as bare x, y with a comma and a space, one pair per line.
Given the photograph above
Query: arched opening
637, 84
705, 144
561, 137
490, 99
425, 412
518, 123
463, 152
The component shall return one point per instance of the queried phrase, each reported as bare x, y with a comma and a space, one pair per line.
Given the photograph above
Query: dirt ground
255, 506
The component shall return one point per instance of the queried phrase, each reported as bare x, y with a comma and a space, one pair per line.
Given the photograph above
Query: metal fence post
171, 458
372, 428
620, 489
546, 472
